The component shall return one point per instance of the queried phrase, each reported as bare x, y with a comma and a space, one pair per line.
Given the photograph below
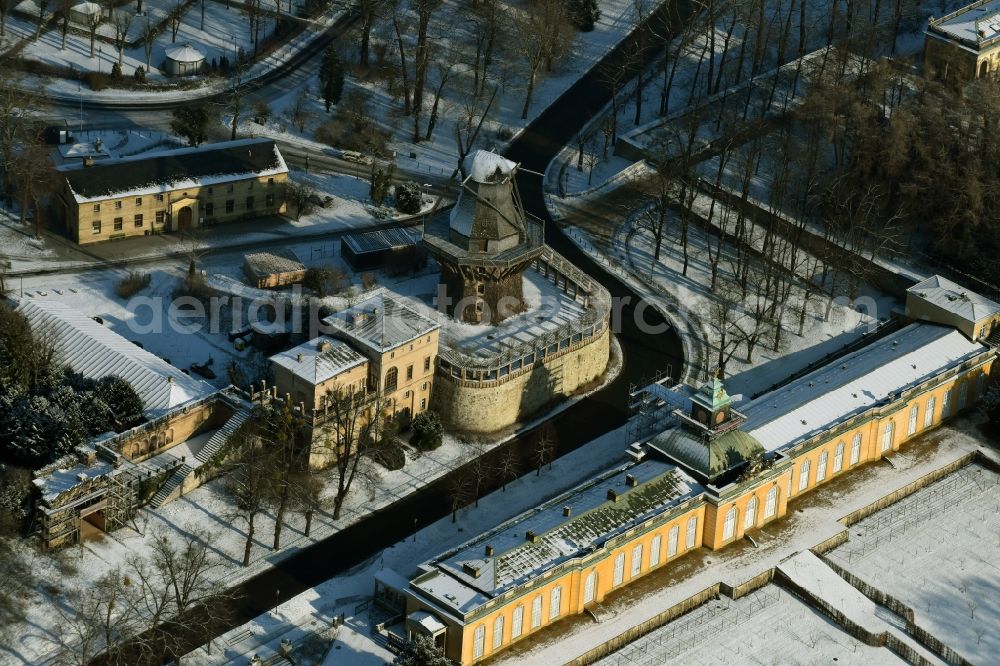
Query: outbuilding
367, 250
273, 268
184, 60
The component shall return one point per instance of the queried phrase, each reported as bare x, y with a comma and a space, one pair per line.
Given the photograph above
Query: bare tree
300, 114
541, 37
544, 448
508, 467
42, 6
460, 492
5, 7
307, 497
444, 66
283, 429
247, 483
148, 36
33, 178
401, 26
487, 29
122, 20
425, 10
96, 619
175, 18
94, 22
62, 9
369, 11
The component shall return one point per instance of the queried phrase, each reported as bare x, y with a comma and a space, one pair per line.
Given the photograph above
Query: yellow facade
310, 394
816, 461
175, 210
406, 373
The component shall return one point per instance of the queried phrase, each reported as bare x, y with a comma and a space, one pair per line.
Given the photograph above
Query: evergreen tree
191, 122
331, 77
421, 651
584, 13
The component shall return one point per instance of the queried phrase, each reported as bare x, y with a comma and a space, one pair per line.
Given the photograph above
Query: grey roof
184, 167
487, 208
467, 577
973, 25
954, 298
378, 240
707, 457
320, 359
271, 262
381, 323
95, 351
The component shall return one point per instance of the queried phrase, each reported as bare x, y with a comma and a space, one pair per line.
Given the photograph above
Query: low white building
184, 60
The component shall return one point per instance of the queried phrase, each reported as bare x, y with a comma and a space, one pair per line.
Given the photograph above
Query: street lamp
100, 51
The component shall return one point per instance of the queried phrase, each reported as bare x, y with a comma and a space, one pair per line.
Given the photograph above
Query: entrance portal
184, 219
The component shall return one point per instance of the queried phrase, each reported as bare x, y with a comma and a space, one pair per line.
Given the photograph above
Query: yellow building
941, 300
707, 480
964, 44
401, 346
307, 372
172, 190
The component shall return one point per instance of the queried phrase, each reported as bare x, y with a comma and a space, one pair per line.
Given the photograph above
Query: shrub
261, 113
140, 74
389, 454
96, 80
505, 133
324, 280
427, 431
368, 280
406, 261
132, 284
116, 71
408, 198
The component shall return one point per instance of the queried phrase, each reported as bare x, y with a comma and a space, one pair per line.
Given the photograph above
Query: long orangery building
713, 474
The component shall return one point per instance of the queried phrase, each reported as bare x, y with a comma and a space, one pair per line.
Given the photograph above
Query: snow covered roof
973, 24
88, 8
381, 323
169, 170
318, 360
543, 537
482, 166
95, 351
363, 242
428, 621
274, 261
856, 383
184, 53
707, 458
954, 298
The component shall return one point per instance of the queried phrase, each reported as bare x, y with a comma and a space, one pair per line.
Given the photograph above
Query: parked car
355, 156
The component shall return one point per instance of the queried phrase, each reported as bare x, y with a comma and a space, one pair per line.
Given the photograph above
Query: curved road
645, 353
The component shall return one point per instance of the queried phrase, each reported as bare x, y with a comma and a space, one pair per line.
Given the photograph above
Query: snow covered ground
938, 551
768, 626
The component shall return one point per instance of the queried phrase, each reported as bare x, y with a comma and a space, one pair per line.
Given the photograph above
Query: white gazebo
184, 60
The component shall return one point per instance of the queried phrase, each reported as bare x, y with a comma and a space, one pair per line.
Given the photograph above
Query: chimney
298, 357
630, 481
531, 536
612, 494
81, 477
170, 379
567, 511
88, 161
489, 551
471, 570
323, 345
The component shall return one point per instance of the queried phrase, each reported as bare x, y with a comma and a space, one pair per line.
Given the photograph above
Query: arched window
672, 537
946, 403
750, 517
929, 412
498, 632
890, 429
912, 425
729, 526
619, 568
536, 612
984, 68
838, 458
771, 503
555, 602
636, 560
856, 449
590, 587
821, 467
654, 550
478, 642
963, 393
518, 622
804, 476
391, 380
692, 532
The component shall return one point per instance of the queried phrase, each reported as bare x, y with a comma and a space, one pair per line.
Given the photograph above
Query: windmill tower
486, 243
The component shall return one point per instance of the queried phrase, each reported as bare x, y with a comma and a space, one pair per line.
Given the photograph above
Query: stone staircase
221, 436
166, 491
172, 489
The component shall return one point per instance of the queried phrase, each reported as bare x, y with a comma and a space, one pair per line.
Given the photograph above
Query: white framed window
478, 642
750, 516
619, 568
729, 526
912, 425
636, 560
498, 632
946, 404
838, 457
536, 612
804, 476
517, 622
654, 550
590, 587
821, 466
963, 393
692, 532
856, 449
887, 435
771, 503
929, 412
673, 536
555, 602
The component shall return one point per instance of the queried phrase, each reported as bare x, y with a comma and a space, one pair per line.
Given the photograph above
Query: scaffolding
121, 498
651, 404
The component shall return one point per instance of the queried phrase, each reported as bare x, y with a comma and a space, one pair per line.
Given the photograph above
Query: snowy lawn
938, 551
